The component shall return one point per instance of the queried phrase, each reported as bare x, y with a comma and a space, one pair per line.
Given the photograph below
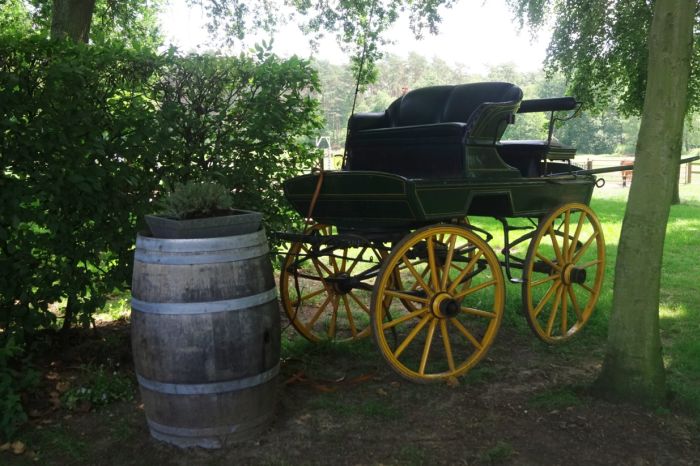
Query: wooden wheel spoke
547, 261
319, 311
434, 271
588, 264
555, 245
586, 287
583, 249
463, 330
411, 335
574, 304
552, 289
406, 296
448, 262
351, 320
563, 318
416, 275
474, 289
477, 312
320, 265
555, 309
547, 279
579, 227
360, 303
447, 345
356, 261
426, 347
334, 318
464, 272
404, 318
309, 296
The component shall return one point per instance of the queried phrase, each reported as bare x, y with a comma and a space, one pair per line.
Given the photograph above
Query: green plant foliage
602, 49
91, 134
246, 122
195, 200
16, 375
100, 388
76, 152
133, 23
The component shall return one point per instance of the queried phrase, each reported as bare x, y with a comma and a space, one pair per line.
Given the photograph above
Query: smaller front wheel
437, 303
563, 272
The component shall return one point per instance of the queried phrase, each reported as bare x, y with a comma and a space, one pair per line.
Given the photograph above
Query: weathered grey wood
206, 358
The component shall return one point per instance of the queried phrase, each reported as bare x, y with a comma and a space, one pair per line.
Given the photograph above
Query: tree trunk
676, 196
72, 19
633, 367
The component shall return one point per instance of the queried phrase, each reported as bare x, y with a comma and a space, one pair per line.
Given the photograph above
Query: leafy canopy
601, 47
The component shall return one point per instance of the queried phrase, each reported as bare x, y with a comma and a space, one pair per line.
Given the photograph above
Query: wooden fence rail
689, 172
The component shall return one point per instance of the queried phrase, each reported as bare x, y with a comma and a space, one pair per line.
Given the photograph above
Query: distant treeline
593, 132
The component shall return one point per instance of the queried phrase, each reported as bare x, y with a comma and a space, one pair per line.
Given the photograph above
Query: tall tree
97, 21
638, 54
72, 19
633, 366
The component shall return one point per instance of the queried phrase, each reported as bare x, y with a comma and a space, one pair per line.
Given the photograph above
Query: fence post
688, 173
589, 164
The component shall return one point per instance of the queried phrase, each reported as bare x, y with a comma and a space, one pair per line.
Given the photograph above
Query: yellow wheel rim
328, 308
454, 287
563, 273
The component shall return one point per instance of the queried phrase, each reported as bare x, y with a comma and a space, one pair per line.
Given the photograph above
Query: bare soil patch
526, 403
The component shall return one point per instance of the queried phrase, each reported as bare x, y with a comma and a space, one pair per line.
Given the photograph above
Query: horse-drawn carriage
392, 252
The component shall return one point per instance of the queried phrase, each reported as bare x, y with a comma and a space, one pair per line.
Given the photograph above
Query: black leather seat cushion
423, 133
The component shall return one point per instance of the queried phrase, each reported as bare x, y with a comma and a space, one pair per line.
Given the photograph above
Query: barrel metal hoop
212, 437
213, 388
207, 307
212, 257
193, 251
200, 244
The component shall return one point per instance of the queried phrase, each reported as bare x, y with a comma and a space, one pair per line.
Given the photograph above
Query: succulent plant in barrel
200, 210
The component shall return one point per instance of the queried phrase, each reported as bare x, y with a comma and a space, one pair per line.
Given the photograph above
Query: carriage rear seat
423, 134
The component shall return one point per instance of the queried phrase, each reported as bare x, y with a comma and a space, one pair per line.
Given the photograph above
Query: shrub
16, 376
195, 200
90, 134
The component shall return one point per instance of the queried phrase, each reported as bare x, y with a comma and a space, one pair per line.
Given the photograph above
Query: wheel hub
572, 274
342, 283
444, 306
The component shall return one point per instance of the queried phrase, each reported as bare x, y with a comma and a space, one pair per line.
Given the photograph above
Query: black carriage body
435, 155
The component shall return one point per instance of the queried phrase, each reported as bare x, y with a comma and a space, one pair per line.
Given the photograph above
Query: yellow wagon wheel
563, 273
455, 285
326, 290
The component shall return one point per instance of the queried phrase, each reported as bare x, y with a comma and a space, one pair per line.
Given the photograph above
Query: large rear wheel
438, 303
325, 289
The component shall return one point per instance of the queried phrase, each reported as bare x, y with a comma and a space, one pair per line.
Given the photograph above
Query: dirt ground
526, 403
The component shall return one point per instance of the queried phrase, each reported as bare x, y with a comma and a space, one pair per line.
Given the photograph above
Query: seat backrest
442, 104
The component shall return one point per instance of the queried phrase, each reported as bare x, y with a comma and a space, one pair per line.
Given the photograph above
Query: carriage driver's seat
423, 134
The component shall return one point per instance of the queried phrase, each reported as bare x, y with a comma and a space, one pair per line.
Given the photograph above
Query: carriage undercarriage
433, 297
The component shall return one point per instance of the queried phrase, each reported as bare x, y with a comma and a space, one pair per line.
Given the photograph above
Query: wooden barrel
205, 337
